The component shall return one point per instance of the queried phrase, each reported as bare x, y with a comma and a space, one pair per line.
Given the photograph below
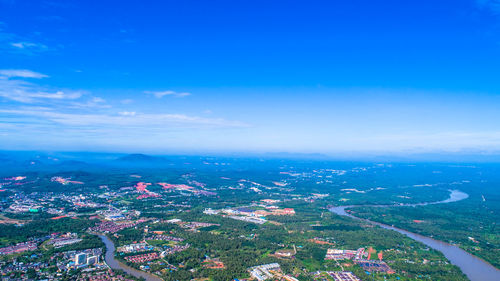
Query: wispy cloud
26, 92
29, 45
124, 119
127, 113
160, 94
15, 44
24, 73
23, 47
79, 110
92, 103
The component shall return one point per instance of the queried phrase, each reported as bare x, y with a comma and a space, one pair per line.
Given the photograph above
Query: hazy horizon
103, 157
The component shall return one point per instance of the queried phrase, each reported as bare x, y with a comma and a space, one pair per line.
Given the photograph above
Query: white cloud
57, 95
22, 45
160, 94
29, 47
24, 73
127, 113
13, 43
125, 119
12, 87
94, 102
25, 92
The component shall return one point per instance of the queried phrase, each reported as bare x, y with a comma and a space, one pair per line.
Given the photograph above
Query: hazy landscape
216, 217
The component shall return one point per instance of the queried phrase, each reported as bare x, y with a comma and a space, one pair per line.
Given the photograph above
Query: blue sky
250, 76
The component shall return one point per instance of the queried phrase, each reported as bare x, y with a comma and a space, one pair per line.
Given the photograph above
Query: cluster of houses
336, 254
62, 240
174, 249
104, 275
111, 227
271, 271
18, 248
191, 226
250, 214
361, 258
134, 248
336, 275
142, 258
164, 237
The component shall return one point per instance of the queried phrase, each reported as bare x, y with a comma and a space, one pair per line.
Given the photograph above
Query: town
198, 227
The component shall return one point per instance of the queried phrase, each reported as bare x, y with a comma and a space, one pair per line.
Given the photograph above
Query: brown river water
475, 268
115, 264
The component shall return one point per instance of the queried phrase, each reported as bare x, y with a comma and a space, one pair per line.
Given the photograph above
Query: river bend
115, 264
475, 268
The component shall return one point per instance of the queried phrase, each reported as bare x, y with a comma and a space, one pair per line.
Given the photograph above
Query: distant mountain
291, 155
74, 164
142, 158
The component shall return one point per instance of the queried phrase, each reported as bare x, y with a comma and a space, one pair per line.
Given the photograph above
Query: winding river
115, 264
475, 268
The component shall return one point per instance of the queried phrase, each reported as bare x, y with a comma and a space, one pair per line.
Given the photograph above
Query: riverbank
115, 264
473, 267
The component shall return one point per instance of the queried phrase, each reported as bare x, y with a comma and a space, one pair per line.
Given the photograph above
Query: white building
92, 260
80, 258
210, 211
64, 242
261, 272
